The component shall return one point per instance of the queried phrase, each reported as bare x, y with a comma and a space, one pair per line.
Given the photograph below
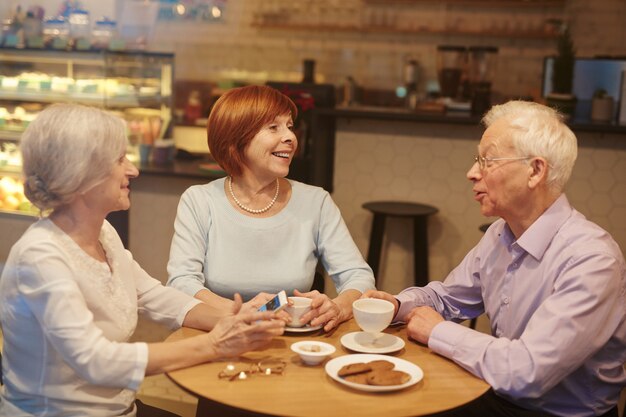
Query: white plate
365, 343
304, 329
334, 365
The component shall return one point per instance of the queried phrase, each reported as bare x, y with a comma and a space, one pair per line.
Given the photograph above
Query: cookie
358, 378
381, 365
354, 368
387, 377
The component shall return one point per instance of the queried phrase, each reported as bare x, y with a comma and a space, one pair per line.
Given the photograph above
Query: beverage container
56, 33
300, 306
80, 28
451, 63
32, 30
104, 31
308, 71
482, 67
372, 314
410, 76
349, 91
163, 151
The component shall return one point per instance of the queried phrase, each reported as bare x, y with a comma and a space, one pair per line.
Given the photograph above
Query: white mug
373, 315
300, 306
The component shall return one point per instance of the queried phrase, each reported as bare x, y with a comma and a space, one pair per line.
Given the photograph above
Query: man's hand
383, 296
421, 322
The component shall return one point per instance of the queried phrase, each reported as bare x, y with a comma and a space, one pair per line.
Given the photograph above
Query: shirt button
505, 300
514, 265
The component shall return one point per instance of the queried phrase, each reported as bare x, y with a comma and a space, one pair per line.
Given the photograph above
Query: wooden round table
307, 391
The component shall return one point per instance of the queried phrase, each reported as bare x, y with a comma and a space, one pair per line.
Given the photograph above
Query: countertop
577, 124
199, 168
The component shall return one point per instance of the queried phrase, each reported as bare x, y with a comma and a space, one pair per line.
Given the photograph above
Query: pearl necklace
248, 209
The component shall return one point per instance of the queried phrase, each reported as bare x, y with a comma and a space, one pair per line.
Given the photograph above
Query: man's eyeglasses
235, 372
484, 162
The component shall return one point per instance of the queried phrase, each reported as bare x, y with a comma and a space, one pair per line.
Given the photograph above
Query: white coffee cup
300, 306
373, 315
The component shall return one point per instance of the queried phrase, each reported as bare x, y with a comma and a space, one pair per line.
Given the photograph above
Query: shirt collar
536, 239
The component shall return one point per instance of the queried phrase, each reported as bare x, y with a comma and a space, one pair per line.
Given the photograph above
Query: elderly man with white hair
552, 283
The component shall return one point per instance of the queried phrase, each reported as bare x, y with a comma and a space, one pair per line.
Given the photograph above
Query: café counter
579, 124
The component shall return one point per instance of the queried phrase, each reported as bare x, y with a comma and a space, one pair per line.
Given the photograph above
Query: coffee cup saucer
366, 343
304, 329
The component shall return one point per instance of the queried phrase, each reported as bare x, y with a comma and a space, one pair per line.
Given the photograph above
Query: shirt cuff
405, 307
141, 364
445, 337
183, 312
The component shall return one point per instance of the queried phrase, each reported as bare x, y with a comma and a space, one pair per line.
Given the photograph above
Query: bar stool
419, 214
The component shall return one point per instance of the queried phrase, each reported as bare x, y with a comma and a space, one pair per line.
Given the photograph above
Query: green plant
563, 74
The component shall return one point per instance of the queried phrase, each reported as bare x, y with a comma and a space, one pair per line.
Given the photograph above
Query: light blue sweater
216, 247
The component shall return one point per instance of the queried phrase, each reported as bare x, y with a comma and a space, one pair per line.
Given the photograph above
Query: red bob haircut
237, 116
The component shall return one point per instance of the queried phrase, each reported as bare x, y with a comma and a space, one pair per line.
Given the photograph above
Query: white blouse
66, 320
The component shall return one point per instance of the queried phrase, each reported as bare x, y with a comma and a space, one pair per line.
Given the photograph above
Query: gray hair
67, 150
538, 130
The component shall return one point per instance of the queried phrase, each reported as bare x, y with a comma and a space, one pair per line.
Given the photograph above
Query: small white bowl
312, 352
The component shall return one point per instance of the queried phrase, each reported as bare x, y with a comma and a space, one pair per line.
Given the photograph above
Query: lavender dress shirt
556, 300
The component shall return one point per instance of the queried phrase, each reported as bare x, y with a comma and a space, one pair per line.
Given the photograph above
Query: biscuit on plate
388, 377
357, 378
381, 365
354, 368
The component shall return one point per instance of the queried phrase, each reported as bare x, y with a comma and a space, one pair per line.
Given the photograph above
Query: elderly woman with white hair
70, 293
551, 282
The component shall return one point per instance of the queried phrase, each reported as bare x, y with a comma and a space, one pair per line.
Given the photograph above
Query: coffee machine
482, 68
451, 64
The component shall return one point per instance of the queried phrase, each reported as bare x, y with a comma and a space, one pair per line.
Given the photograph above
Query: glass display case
134, 85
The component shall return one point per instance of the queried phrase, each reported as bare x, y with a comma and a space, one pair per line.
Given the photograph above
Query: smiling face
112, 194
501, 187
271, 151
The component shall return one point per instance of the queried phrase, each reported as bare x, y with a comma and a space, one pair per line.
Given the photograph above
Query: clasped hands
324, 311
420, 321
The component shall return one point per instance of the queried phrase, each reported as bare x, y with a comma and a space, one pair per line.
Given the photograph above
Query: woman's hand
244, 330
260, 299
324, 311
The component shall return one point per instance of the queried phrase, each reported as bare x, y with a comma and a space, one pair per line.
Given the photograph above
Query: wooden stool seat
419, 214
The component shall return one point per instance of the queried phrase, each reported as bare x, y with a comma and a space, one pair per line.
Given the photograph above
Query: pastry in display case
12, 196
137, 86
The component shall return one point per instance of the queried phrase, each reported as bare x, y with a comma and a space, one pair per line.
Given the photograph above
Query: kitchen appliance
482, 68
451, 63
